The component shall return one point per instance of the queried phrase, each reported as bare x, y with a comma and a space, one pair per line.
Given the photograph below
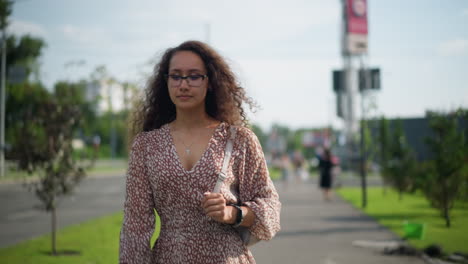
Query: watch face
239, 216
359, 8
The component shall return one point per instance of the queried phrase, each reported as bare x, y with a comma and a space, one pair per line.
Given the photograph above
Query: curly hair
224, 99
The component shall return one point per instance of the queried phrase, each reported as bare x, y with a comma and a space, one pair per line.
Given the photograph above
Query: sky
283, 52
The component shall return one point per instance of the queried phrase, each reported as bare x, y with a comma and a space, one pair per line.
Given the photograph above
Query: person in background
325, 167
298, 164
285, 170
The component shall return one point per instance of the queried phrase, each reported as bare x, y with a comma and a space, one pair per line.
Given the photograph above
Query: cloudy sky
282, 51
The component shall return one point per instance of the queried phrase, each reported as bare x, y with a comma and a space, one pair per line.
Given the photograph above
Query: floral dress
156, 180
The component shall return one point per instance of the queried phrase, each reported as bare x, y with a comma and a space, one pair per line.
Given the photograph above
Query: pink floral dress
156, 180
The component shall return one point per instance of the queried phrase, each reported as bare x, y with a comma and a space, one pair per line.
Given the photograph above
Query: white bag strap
227, 156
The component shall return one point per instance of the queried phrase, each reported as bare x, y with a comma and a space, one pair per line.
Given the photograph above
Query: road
22, 218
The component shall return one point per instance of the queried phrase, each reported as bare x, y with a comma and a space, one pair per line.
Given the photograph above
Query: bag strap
227, 156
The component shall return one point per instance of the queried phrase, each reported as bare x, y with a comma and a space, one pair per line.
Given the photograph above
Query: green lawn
97, 241
275, 174
102, 167
391, 212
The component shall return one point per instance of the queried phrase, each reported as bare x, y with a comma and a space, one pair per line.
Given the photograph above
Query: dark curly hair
224, 98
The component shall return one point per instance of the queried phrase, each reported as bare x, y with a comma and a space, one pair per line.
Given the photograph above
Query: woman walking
192, 105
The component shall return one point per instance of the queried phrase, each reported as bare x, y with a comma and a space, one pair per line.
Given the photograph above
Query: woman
325, 166
191, 103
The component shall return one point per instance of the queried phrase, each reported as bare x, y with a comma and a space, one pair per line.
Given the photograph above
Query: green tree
384, 150
402, 162
74, 93
5, 12
113, 125
25, 51
446, 173
463, 115
23, 103
44, 145
262, 137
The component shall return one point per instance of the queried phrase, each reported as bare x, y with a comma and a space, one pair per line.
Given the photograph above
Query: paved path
316, 231
22, 219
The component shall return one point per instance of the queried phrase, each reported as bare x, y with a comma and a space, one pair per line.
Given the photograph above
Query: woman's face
187, 81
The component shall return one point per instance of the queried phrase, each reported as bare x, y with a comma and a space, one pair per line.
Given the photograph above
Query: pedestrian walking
325, 166
193, 107
285, 165
298, 164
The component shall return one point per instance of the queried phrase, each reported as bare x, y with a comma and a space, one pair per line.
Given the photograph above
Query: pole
2, 107
363, 141
363, 158
347, 93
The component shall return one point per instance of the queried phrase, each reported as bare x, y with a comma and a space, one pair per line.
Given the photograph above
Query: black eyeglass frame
203, 76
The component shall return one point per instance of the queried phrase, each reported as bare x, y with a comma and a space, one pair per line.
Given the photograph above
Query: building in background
112, 96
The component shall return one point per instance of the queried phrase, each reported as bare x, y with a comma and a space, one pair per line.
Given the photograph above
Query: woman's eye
194, 77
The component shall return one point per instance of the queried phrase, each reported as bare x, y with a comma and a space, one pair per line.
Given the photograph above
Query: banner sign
356, 27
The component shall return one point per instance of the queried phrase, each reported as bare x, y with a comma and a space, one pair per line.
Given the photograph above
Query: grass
102, 167
97, 241
108, 167
275, 174
390, 212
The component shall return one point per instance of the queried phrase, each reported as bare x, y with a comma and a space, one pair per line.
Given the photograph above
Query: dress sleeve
256, 190
139, 218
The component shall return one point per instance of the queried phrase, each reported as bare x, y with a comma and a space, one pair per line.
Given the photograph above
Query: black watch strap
239, 217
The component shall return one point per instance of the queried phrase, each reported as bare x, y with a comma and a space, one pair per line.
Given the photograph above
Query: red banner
356, 14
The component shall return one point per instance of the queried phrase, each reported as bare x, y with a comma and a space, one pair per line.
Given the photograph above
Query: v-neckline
174, 149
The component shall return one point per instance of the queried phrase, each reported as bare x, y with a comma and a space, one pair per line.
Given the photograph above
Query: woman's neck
190, 120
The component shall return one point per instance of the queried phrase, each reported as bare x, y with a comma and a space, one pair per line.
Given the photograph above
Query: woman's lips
184, 97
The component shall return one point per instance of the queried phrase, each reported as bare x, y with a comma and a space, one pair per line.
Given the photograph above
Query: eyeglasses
192, 80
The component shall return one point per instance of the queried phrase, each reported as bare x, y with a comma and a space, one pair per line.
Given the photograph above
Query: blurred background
283, 53
74, 70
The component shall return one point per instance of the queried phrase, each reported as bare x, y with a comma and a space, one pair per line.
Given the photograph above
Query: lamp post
2, 105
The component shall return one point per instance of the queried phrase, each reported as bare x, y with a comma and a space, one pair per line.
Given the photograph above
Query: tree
384, 150
22, 97
402, 162
25, 52
446, 173
113, 125
41, 125
262, 137
367, 152
5, 12
44, 145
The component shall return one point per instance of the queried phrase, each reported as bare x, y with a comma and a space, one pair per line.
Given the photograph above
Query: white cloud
19, 27
454, 47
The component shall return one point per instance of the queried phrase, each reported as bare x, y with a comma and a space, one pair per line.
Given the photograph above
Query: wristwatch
239, 217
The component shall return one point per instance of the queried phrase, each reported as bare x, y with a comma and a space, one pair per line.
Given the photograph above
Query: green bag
414, 230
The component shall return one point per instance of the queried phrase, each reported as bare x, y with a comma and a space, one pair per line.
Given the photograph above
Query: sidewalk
316, 231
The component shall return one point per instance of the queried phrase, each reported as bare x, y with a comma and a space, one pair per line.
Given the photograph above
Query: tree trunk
445, 203
54, 228
446, 216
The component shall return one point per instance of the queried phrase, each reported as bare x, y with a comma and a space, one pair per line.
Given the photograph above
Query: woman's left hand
215, 207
